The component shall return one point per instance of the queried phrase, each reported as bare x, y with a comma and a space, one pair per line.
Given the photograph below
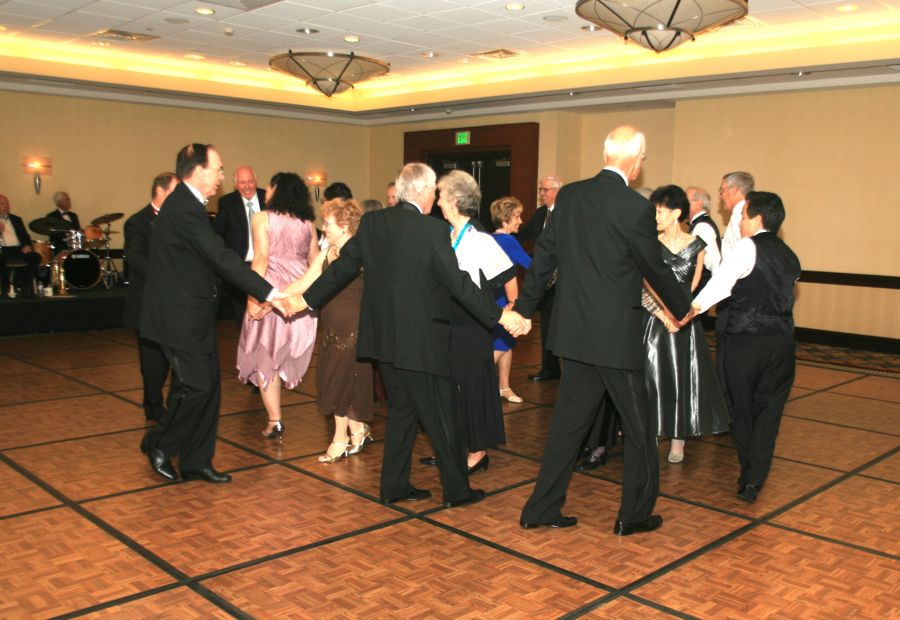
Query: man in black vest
703, 226
759, 358
154, 367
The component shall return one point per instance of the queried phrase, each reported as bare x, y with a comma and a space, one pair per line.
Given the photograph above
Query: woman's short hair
672, 197
463, 190
338, 189
290, 196
503, 209
345, 212
371, 204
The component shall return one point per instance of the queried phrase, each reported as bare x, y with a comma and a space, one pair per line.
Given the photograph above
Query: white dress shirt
704, 230
733, 268
9, 239
732, 235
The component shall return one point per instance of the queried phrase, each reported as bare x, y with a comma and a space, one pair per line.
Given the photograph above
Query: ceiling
432, 47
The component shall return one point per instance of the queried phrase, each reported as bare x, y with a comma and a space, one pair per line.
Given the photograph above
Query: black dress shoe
647, 525
207, 474
475, 496
428, 460
481, 464
161, 464
414, 495
545, 375
559, 522
592, 462
748, 493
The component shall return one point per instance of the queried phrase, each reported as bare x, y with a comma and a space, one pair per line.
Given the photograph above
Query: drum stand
110, 273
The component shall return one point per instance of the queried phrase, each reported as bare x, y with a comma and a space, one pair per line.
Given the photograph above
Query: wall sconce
317, 180
37, 166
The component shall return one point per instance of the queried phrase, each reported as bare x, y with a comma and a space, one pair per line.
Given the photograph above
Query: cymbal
106, 219
50, 225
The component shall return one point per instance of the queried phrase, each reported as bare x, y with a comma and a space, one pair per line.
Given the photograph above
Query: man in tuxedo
154, 367
179, 313
548, 187
232, 223
391, 195
703, 226
601, 242
15, 244
411, 274
63, 211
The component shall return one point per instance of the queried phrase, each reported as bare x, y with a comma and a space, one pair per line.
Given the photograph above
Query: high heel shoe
481, 464
328, 458
277, 430
356, 448
511, 396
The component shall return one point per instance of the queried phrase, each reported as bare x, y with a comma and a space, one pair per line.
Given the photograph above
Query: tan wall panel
848, 309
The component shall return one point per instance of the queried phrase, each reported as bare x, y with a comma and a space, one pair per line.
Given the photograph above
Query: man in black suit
154, 367
63, 211
15, 244
232, 223
179, 312
548, 187
411, 274
601, 241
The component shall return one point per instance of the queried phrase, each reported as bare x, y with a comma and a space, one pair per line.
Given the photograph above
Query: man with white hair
411, 273
602, 243
703, 226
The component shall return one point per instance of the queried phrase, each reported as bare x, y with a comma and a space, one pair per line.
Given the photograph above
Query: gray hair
623, 143
58, 196
463, 190
554, 180
370, 204
414, 179
698, 193
742, 181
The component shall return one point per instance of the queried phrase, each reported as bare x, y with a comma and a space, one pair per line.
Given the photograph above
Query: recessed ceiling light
204, 11
195, 56
307, 31
329, 54
846, 8
2, 28
802, 73
430, 54
412, 109
228, 32
237, 63
100, 43
463, 61
555, 19
515, 6
351, 38
176, 21
591, 28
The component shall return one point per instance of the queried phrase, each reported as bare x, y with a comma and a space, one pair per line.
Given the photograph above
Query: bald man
601, 241
232, 223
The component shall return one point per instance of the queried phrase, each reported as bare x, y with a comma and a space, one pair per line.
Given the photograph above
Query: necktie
249, 212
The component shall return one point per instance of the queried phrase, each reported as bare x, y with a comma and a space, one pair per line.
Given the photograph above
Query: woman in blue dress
506, 214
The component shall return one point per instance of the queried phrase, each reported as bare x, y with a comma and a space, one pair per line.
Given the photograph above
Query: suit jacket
602, 239
411, 273
21, 232
55, 214
137, 252
532, 229
180, 301
231, 220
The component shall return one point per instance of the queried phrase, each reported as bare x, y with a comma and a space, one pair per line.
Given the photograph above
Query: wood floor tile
13, 367
100, 466
409, 570
861, 413
110, 378
200, 527
827, 445
814, 378
18, 494
889, 469
591, 548
56, 561
181, 603
884, 388
41, 385
239, 397
526, 432
626, 609
542, 392
797, 392
771, 573
64, 419
861, 511
92, 353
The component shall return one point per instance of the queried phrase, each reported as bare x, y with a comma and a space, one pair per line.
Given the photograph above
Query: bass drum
43, 249
81, 268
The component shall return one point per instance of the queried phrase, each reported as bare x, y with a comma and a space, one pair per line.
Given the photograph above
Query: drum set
86, 261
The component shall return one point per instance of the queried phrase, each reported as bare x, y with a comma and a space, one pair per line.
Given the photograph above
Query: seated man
15, 243
63, 211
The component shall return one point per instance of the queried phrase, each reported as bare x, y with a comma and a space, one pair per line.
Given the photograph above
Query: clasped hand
515, 323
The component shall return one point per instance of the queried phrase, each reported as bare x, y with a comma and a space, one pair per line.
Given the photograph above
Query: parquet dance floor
87, 530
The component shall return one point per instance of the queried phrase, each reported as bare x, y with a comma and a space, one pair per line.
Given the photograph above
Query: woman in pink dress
272, 349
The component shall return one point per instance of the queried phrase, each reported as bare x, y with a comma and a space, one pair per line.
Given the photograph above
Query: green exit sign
463, 138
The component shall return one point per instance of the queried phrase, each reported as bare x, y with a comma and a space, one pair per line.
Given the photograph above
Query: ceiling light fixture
329, 73
430, 55
515, 6
846, 8
195, 56
351, 38
660, 25
591, 28
237, 63
204, 11
307, 31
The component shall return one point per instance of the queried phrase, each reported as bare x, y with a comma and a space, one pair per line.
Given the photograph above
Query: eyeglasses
546, 189
220, 169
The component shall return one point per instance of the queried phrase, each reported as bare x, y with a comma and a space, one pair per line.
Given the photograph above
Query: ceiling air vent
243, 5
123, 36
745, 22
500, 54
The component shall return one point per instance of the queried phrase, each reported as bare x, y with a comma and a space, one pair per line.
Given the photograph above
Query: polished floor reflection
86, 529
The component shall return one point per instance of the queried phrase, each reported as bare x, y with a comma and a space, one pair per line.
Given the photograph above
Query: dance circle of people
435, 305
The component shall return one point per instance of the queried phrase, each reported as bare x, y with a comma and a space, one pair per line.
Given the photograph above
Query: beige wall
832, 156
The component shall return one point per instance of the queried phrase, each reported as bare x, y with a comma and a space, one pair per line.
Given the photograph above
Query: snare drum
74, 239
81, 268
43, 249
93, 237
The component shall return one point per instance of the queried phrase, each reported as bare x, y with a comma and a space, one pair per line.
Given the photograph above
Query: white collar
196, 193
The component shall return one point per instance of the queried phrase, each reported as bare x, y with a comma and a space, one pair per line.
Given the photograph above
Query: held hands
289, 305
515, 323
695, 310
257, 310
